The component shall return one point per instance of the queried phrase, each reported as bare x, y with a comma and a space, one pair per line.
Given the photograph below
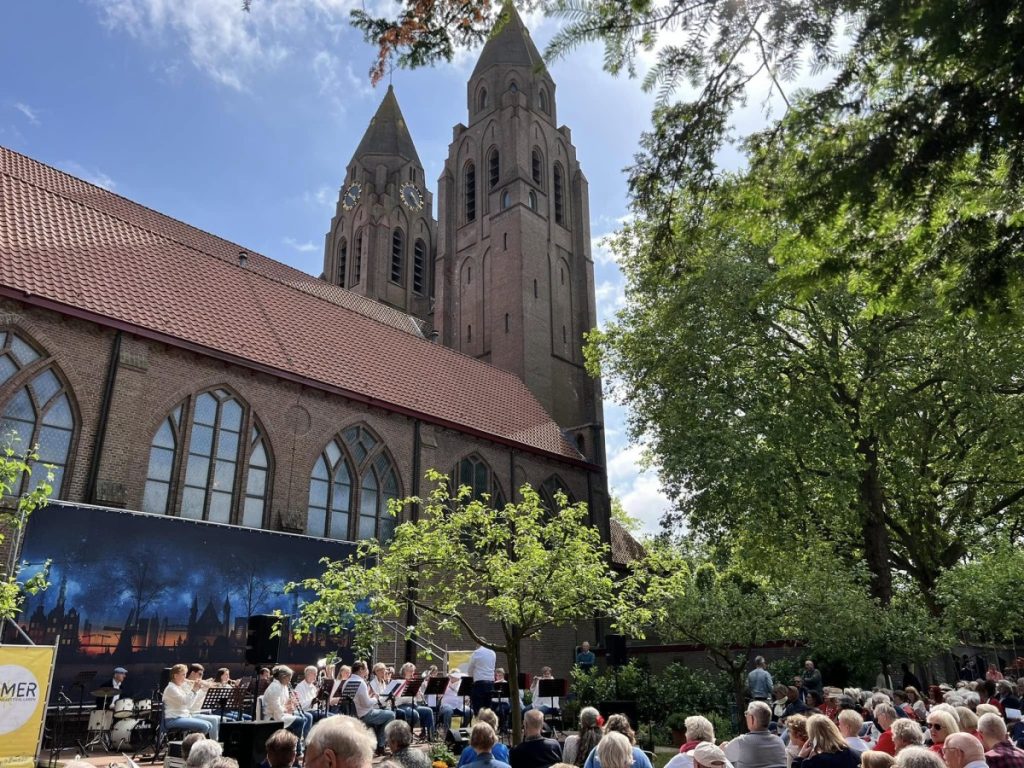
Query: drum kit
123, 723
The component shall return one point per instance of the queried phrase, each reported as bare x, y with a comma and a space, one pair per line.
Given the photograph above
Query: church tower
382, 237
514, 269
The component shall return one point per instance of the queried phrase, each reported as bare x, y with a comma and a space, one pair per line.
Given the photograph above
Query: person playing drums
115, 682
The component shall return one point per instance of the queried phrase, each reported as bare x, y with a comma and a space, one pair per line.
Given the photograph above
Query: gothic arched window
536, 163
397, 256
474, 472
354, 472
506, 201
35, 412
210, 460
549, 488
470, 191
532, 198
419, 266
559, 195
342, 261
544, 101
481, 102
493, 168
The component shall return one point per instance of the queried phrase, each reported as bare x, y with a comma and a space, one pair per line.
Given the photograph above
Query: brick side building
163, 369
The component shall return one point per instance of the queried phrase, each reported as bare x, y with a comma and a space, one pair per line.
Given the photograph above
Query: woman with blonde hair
874, 759
968, 722
940, 725
917, 703
796, 725
825, 747
618, 725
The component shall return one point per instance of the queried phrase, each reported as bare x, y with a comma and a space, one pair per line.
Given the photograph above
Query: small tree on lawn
527, 568
14, 511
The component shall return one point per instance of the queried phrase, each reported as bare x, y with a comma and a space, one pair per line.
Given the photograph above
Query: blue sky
242, 124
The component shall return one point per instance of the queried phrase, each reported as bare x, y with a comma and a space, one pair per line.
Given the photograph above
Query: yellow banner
458, 660
24, 689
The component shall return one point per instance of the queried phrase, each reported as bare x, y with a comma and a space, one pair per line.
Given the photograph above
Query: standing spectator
759, 747
825, 747
999, 752
585, 659
811, 677
910, 680
964, 751
534, 751
759, 681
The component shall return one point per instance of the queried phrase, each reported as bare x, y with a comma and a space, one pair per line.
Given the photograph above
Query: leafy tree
783, 419
982, 595
14, 512
525, 568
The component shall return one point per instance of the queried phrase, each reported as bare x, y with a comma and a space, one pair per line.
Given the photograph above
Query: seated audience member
968, 721
340, 742
850, 722
398, 736
999, 752
707, 755
613, 751
885, 716
698, 730
223, 762
906, 733
918, 757
482, 740
500, 751
941, 725
962, 750
872, 758
794, 704
917, 703
203, 753
619, 724
780, 700
282, 746
825, 747
1007, 696
534, 751
577, 747
796, 728
188, 741
758, 748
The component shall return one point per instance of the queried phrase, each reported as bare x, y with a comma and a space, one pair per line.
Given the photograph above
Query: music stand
501, 693
551, 689
323, 695
81, 680
217, 699
436, 686
465, 691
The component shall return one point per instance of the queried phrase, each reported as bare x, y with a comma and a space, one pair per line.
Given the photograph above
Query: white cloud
637, 486
28, 112
306, 247
95, 176
358, 85
323, 196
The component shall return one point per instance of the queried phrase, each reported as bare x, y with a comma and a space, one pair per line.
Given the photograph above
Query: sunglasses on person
935, 726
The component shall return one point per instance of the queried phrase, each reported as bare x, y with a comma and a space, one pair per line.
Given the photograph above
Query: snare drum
124, 707
100, 720
144, 708
121, 733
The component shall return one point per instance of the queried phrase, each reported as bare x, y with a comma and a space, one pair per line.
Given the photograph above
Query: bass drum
124, 708
121, 734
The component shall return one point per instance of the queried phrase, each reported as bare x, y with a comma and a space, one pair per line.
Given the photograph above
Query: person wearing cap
707, 755
452, 704
962, 750
120, 673
759, 747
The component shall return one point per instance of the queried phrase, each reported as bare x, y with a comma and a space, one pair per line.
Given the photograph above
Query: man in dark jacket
535, 751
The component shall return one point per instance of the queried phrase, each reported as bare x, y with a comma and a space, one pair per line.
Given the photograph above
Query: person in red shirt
885, 716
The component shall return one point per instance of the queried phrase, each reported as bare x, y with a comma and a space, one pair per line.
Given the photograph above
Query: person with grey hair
885, 716
577, 747
482, 739
906, 733
615, 751
203, 753
999, 752
962, 750
339, 741
189, 740
918, 757
223, 762
398, 736
759, 681
534, 751
850, 722
759, 747
699, 730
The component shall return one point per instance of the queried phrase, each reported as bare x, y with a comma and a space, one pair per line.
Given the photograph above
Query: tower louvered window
342, 261
419, 266
536, 164
559, 195
358, 268
397, 256
470, 189
494, 168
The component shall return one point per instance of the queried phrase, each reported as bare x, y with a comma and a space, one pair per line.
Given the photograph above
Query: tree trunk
516, 715
739, 693
873, 529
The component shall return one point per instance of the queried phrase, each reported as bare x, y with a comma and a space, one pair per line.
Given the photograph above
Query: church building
162, 369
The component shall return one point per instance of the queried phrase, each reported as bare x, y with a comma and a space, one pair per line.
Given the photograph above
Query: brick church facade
163, 369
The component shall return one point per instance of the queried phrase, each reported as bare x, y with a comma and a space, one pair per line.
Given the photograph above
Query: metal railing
437, 653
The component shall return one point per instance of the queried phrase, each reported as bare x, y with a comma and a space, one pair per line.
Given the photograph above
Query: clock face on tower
412, 198
351, 197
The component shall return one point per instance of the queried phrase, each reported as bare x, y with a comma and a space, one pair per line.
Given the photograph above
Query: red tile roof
91, 252
625, 549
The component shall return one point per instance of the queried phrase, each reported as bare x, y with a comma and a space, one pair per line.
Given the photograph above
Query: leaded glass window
474, 472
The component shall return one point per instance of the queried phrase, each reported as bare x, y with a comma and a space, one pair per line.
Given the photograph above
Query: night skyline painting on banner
147, 591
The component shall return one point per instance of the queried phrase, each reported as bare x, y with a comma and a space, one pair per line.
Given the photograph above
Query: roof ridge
165, 236
418, 338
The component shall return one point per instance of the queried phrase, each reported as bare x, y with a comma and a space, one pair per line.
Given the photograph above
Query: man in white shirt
481, 668
366, 708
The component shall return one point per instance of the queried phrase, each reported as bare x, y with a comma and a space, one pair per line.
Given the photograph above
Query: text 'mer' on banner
25, 672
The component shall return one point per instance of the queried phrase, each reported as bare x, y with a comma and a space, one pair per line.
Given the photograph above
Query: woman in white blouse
180, 698
279, 704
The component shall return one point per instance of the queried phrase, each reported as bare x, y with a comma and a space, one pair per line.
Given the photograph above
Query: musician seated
414, 709
280, 703
222, 679
500, 699
367, 708
307, 693
115, 682
452, 704
547, 705
180, 697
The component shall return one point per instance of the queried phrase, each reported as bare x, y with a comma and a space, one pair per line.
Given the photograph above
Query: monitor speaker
246, 740
627, 708
616, 653
261, 646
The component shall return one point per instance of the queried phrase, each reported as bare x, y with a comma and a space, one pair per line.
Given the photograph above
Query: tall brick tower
515, 277
382, 237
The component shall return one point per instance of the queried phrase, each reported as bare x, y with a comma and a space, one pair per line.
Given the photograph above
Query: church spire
510, 44
387, 134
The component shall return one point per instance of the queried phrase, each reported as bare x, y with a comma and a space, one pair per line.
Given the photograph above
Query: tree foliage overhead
14, 512
781, 417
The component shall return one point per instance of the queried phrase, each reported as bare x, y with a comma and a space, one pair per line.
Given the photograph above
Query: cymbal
99, 693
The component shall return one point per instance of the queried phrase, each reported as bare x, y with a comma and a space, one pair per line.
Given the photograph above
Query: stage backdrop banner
458, 660
24, 687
